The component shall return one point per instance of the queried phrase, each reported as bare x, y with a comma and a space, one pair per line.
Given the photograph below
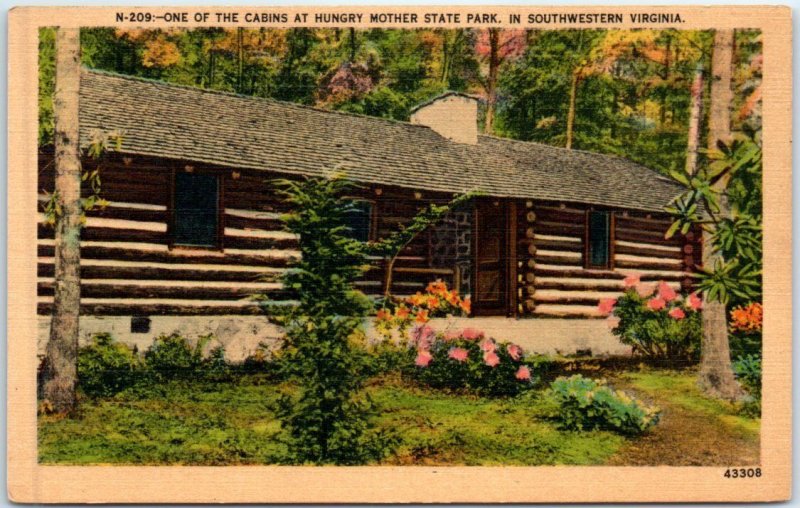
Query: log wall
552, 280
129, 268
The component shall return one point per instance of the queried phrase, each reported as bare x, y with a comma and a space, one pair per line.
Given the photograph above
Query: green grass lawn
234, 423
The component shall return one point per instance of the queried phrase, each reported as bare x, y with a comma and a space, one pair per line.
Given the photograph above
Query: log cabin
192, 228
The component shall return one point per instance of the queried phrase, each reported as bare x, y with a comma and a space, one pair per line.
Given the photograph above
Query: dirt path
686, 437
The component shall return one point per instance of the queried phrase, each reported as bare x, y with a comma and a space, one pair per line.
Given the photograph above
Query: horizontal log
162, 307
559, 228
240, 222
567, 311
115, 269
645, 249
190, 290
557, 245
91, 233
586, 284
558, 297
160, 253
558, 257
639, 236
245, 242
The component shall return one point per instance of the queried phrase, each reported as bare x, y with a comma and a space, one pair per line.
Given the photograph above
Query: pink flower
423, 358
471, 334
458, 354
523, 373
666, 292
695, 302
632, 280
488, 346
612, 322
656, 304
606, 305
490, 358
514, 351
452, 335
677, 313
423, 336
645, 290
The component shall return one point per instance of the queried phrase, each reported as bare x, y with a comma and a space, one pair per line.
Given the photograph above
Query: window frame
612, 226
373, 216
219, 237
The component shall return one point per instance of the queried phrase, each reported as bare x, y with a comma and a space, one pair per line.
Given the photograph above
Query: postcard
485, 254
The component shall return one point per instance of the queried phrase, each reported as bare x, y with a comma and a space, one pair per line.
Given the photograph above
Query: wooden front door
491, 262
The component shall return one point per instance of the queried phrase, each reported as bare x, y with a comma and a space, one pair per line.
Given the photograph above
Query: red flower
488, 346
514, 351
523, 373
645, 290
677, 313
432, 302
632, 280
466, 305
491, 359
422, 316
666, 293
452, 335
656, 304
458, 354
423, 358
383, 315
472, 334
695, 302
606, 305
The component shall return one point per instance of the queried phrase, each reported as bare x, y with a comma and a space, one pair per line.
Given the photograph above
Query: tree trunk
60, 375
716, 373
695, 115
491, 81
573, 92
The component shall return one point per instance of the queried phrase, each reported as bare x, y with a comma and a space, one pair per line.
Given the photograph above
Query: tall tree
716, 373
495, 46
60, 374
695, 116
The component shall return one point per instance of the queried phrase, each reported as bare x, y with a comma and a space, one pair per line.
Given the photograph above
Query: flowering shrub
748, 318
418, 309
468, 360
587, 404
655, 320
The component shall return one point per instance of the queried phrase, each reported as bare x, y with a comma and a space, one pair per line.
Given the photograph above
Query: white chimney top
452, 115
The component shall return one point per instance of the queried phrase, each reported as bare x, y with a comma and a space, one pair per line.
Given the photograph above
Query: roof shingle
230, 130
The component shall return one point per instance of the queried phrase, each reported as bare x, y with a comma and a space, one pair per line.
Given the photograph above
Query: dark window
196, 210
140, 324
359, 220
598, 250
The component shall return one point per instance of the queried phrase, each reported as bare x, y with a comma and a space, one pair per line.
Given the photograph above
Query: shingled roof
231, 130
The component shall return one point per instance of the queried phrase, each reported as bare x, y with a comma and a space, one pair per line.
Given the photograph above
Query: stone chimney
452, 115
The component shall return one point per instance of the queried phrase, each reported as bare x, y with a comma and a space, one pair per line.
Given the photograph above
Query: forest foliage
629, 89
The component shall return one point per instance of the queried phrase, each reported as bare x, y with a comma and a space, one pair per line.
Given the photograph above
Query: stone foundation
242, 335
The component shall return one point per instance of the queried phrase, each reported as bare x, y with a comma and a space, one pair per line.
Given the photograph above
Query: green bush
586, 404
664, 326
748, 373
106, 367
468, 361
173, 357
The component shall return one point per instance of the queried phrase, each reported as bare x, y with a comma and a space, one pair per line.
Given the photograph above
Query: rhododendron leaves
656, 304
491, 359
523, 373
458, 354
423, 358
677, 313
665, 292
606, 305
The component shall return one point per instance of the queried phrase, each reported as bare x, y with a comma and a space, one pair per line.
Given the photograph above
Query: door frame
508, 305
